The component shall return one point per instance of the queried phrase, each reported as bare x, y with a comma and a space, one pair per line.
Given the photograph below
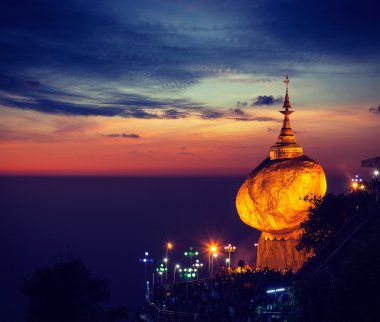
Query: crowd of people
230, 294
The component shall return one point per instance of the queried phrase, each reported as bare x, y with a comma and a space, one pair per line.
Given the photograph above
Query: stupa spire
287, 101
286, 135
286, 146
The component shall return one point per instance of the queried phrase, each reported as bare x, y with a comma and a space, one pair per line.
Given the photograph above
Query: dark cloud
237, 111
374, 110
264, 119
79, 57
34, 83
266, 100
174, 114
185, 153
122, 135
207, 115
332, 28
241, 104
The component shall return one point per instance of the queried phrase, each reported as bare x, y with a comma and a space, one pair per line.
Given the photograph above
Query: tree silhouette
67, 292
329, 214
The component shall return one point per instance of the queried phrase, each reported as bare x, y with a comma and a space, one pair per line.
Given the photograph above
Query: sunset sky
191, 87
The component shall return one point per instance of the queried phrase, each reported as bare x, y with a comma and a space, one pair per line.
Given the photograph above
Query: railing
171, 315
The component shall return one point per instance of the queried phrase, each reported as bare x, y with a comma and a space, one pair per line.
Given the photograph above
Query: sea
109, 223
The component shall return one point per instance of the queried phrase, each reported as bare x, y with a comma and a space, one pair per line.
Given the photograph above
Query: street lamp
146, 260
191, 253
213, 249
189, 273
169, 246
175, 270
197, 266
375, 184
214, 256
229, 249
357, 183
161, 270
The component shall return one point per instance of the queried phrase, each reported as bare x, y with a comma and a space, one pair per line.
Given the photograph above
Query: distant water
110, 222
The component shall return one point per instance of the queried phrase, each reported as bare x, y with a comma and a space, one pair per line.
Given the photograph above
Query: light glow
276, 290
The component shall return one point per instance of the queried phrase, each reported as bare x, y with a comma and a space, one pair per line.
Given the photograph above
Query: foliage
341, 282
329, 214
347, 287
67, 292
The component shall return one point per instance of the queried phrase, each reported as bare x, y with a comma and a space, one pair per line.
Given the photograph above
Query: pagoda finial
286, 81
286, 146
287, 101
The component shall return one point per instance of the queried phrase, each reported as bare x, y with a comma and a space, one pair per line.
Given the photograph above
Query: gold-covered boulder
272, 198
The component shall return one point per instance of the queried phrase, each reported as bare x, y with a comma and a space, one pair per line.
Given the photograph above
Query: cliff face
272, 197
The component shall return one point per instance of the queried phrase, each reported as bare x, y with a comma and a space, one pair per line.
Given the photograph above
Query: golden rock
272, 197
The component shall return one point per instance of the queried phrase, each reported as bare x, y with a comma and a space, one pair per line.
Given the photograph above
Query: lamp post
197, 266
214, 256
168, 247
211, 251
165, 260
375, 184
146, 260
229, 249
191, 253
161, 270
189, 273
175, 270
357, 183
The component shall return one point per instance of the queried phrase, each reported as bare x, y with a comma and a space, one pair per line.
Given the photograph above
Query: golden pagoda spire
286, 146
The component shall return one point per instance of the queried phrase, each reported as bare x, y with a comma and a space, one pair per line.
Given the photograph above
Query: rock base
279, 254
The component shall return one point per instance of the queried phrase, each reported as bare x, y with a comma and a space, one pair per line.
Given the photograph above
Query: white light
144, 260
376, 172
276, 290
146, 253
177, 266
165, 260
